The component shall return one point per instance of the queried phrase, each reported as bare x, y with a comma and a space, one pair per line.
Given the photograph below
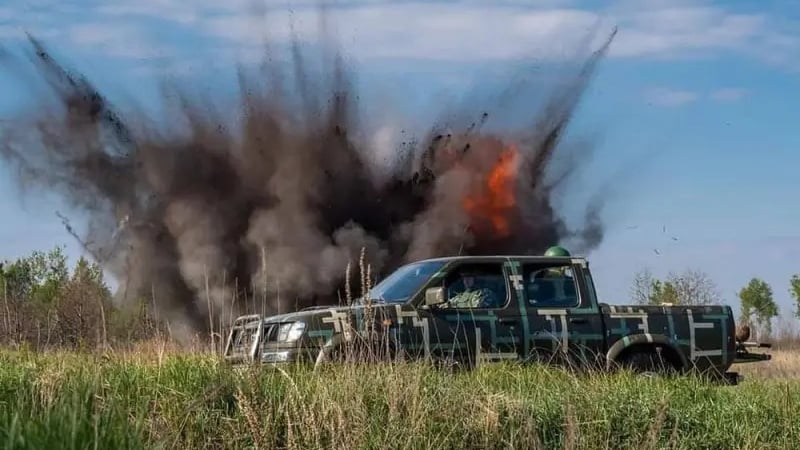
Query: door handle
507, 320
578, 320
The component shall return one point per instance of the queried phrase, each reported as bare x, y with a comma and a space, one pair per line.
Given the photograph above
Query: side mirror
434, 296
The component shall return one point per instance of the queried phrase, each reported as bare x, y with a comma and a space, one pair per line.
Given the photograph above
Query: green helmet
556, 251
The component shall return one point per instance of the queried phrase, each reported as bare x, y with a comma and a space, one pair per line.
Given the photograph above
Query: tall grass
69, 400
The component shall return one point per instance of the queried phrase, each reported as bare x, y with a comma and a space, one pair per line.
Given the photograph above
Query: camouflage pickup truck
471, 310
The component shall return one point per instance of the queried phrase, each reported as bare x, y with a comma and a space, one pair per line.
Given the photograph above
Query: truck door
476, 324
565, 325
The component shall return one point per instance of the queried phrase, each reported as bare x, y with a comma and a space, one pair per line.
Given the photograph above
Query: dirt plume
276, 204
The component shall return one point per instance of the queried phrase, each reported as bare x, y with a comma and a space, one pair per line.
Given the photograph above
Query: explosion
495, 199
202, 215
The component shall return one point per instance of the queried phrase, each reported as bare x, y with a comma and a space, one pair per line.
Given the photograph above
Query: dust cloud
198, 214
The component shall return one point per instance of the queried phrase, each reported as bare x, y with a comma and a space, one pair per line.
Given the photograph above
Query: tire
331, 355
647, 363
346, 353
323, 359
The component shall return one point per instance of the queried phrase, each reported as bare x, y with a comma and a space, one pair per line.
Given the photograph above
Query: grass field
147, 400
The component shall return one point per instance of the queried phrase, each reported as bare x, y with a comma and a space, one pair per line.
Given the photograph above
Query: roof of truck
531, 258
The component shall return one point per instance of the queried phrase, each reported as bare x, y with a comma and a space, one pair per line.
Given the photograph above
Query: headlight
290, 332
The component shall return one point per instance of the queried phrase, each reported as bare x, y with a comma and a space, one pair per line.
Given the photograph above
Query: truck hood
305, 314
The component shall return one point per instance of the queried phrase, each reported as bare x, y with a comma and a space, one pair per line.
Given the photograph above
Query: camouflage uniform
472, 298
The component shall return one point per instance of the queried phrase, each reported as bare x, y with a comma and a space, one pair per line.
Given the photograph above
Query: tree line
45, 304
695, 287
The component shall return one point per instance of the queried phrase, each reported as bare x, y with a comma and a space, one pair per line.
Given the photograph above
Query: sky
690, 116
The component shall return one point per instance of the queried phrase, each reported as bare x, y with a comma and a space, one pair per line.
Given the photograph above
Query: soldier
545, 285
474, 294
561, 272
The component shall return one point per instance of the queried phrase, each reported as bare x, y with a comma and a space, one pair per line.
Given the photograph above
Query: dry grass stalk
784, 364
570, 428
251, 415
673, 437
654, 431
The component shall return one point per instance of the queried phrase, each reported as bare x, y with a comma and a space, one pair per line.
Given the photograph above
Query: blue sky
693, 111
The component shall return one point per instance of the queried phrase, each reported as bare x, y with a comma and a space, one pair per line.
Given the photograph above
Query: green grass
71, 401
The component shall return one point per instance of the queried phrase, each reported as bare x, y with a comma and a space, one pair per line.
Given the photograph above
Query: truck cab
512, 308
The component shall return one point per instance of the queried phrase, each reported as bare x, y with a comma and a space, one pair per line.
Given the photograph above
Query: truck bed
703, 335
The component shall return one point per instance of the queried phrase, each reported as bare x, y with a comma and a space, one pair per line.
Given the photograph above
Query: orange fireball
494, 198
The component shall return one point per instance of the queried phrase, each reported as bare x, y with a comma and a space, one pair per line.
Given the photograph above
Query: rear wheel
648, 362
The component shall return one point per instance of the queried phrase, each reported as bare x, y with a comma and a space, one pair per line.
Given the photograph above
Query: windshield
404, 282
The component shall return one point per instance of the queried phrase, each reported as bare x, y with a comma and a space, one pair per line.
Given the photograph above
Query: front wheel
356, 352
324, 358
336, 354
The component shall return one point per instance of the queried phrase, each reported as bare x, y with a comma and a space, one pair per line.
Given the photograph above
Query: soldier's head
468, 279
556, 250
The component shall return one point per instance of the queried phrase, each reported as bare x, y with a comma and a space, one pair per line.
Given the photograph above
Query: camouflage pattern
526, 308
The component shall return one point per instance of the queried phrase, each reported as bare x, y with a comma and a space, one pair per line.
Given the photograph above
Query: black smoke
191, 210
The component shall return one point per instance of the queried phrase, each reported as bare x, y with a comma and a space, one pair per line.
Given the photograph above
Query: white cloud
698, 29
119, 40
673, 31
728, 94
702, 30
667, 97
423, 31
165, 10
671, 97
466, 30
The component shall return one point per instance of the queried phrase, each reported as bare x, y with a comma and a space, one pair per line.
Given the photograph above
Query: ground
152, 397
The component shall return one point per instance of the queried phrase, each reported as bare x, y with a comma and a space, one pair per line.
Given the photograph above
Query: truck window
550, 286
590, 287
478, 285
403, 282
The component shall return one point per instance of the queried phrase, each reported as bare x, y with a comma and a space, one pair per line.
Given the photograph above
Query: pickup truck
472, 310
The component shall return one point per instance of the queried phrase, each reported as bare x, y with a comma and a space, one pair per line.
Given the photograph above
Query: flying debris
199, 211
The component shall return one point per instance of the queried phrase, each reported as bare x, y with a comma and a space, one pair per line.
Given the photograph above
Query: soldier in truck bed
551, 286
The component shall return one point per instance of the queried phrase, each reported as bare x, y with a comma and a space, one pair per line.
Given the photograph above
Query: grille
242, 338
270, 332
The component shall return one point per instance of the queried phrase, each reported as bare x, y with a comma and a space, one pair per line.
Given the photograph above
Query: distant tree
641, 290
691, 287
36, 278
794, 290
29, 287
42, 303
83, 304
758, 304
694, 287
665, 292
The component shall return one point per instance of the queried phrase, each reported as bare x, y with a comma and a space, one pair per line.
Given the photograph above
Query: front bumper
252, 339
